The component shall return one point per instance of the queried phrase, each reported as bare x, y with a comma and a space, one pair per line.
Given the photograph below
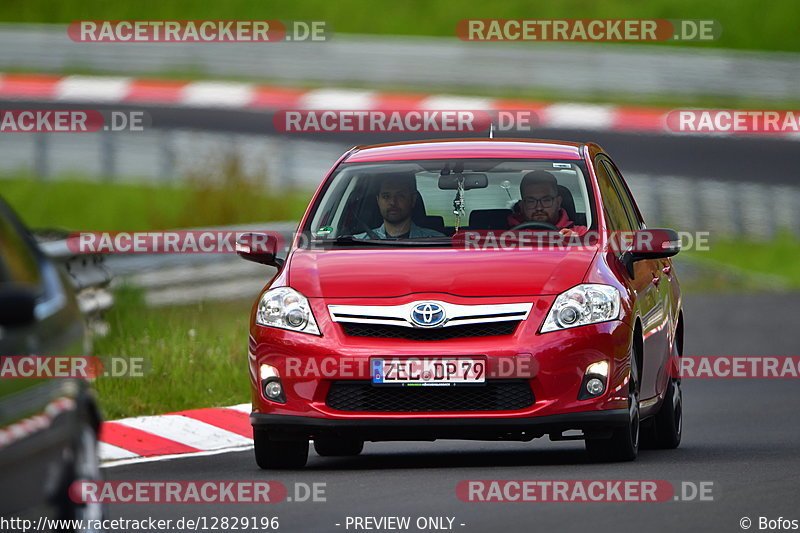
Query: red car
467, 289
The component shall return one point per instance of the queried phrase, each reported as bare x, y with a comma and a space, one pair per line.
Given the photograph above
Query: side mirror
655, 243
17, 305
651, 244
259, 248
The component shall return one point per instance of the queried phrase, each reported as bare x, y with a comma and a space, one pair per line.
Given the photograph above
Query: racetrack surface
732, 158
740, 434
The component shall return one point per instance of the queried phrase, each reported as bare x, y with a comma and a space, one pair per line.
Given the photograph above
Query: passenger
396, 198
541, 202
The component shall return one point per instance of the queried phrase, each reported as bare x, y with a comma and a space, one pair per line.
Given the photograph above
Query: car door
656, 324
642, 285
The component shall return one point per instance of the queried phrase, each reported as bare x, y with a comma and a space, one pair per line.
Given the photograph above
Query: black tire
623, 445
279, 454
84, 467
331, 447
668, 423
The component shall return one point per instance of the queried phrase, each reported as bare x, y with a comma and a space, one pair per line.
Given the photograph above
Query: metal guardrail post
107, 156
41, 160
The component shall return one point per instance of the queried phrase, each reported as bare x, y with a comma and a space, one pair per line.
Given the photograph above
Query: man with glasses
541, 202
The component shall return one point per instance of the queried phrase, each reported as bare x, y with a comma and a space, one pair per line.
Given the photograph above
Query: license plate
429, 371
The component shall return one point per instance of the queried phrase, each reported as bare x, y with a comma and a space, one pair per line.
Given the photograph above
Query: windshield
431, 200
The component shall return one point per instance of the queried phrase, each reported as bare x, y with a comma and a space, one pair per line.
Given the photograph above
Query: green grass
196, 356
746, 24
776, 259
74, 204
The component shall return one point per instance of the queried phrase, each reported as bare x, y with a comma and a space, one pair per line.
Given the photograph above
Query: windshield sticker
562, 165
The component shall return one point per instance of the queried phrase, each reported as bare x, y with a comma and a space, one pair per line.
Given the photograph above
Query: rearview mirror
259, 248
17, 306
449, 182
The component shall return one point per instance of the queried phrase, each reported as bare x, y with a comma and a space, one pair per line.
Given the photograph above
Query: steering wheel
370, 232
536, 224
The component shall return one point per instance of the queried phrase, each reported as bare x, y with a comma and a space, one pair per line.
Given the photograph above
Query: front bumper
309, 365
591, 423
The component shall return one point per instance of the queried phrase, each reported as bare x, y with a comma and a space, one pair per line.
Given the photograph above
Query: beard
394, 217
541, 216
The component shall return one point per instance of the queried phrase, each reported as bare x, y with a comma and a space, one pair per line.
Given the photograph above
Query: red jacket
563, 222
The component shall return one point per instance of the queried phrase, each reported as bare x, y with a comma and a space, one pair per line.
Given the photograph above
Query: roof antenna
491, 130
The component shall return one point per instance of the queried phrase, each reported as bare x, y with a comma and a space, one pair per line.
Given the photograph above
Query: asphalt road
750, 159
739, 434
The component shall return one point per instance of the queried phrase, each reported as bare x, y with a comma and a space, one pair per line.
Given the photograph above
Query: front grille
496, 395
486, 329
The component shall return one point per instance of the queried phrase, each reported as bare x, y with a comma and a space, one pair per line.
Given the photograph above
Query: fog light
273, 390
594, 386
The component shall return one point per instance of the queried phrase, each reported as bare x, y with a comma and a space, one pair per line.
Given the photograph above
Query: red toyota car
467, 289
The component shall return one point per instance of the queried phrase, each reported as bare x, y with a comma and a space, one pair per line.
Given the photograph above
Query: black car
48, 427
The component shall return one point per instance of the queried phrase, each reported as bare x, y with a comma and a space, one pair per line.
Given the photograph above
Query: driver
541, 202
396, 198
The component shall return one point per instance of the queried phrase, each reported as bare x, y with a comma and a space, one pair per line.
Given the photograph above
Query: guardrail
570, 69
89, 278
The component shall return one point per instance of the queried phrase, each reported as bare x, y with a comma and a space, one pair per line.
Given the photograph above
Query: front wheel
277, 454
669, 420
623, 445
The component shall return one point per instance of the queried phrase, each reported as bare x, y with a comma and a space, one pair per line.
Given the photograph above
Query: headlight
581, 305
286, 308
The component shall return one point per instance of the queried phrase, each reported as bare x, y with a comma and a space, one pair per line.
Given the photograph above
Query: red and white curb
233, 95
194, 432
237, 95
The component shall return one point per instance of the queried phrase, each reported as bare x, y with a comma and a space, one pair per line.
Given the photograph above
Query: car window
349, 203
627, 201
616, 216
18, 263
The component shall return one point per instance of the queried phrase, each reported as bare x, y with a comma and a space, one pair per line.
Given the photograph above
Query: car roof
467, 149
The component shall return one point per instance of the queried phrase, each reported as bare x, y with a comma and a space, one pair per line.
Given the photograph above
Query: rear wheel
330, 447
623, 445
279, 454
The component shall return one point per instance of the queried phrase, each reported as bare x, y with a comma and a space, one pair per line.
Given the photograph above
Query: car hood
388, 273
